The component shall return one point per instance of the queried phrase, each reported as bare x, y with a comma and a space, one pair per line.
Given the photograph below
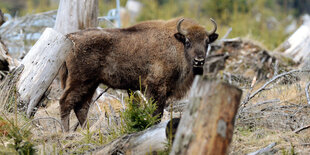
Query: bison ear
180, 37
213, 37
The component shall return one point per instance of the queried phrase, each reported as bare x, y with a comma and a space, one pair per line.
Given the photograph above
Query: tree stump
41, 66
207, 125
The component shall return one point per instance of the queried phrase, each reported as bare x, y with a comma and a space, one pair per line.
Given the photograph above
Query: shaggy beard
198, 70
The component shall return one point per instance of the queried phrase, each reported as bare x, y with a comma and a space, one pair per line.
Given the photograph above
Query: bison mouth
198, 66
198, 62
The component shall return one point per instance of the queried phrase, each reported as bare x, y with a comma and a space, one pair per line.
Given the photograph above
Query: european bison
165, 55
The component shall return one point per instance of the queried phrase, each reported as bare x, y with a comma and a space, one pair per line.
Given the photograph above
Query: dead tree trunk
74, 15
207, 124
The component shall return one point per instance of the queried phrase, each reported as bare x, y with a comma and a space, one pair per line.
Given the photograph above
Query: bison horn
179, 27
215, 27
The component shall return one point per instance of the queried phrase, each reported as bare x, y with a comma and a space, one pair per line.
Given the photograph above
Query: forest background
269, 22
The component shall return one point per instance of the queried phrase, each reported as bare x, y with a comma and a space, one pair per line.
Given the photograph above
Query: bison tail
63, 74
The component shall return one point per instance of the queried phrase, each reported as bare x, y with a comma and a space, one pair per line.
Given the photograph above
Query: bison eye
187, 43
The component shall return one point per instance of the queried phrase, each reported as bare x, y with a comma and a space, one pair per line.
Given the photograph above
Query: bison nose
199, 62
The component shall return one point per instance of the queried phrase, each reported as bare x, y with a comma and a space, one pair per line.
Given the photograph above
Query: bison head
196, 40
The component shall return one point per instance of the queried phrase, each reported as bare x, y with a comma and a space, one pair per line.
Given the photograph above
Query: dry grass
272, 116
247, 140
44, 130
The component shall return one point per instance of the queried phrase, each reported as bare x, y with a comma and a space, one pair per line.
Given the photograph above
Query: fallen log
41, 66
297, 45
207, 124
145, 142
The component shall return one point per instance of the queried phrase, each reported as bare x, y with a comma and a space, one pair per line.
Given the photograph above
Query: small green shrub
139, 113
19, 137
137, 116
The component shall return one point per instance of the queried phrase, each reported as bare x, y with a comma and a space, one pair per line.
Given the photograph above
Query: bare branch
302, 128
264, 150
227, 33
270, 81
262, 103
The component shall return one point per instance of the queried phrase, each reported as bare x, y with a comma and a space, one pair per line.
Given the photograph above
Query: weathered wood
74, 15
141, 143
41, 66
298, 44
207, 124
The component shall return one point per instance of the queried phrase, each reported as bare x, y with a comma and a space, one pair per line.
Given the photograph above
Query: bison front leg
158, 93
160, 108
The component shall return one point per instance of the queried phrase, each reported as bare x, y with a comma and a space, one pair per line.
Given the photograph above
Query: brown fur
119, 57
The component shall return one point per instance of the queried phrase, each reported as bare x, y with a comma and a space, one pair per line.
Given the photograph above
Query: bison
164, 55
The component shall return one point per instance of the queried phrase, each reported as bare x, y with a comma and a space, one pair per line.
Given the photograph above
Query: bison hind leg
81, 113
77, 97
81, 110
66, 105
